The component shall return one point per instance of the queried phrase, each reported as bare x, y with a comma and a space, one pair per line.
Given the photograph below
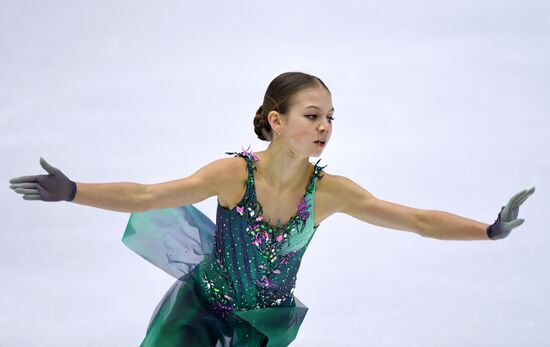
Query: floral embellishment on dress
240, 210
285, 258
303, 209
249, 153
265, 283
228, 297
222, 304
245, 153
259, 238
222, 310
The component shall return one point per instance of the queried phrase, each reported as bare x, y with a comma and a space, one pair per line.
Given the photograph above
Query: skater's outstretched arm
354, 200
55, 186
121, 196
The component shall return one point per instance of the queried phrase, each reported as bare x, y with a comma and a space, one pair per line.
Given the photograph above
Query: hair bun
261, 125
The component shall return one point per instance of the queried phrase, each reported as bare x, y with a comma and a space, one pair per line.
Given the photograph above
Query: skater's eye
314, 116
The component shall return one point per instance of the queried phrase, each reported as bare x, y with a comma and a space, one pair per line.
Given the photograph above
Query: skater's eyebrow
331, 110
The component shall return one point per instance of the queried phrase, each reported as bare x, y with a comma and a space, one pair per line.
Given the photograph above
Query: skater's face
309, 121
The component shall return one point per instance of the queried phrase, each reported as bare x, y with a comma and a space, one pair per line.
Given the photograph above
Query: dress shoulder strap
250, 157
245, 153
318, 169
315, 176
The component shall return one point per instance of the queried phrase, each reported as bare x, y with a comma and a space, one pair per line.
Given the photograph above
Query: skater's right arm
204, 183
119, 196
124, 196
55, 186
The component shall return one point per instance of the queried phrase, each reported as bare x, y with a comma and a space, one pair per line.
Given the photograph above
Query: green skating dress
235, 278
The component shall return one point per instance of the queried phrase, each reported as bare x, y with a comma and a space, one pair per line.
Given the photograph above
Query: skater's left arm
354, 200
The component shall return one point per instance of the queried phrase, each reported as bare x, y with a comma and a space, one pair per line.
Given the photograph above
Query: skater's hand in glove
507, 217
52, 187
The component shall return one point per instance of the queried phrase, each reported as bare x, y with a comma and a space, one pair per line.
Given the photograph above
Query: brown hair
280, 97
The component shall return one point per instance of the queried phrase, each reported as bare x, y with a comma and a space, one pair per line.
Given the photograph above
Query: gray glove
52, 187
507, 217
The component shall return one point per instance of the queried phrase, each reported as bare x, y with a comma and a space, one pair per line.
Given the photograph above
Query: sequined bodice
254, 264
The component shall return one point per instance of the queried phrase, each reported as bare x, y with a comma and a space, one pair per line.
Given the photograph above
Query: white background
440, 105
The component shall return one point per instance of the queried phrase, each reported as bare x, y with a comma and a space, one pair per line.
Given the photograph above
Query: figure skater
235, 278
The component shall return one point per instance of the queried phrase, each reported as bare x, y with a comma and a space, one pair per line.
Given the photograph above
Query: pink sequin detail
249, 153
302, 209
240, 210
223, 310
265, 283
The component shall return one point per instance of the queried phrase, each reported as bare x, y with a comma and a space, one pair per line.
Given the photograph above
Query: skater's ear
277, 121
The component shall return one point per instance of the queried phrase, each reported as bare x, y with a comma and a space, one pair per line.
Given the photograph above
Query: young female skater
235, 278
